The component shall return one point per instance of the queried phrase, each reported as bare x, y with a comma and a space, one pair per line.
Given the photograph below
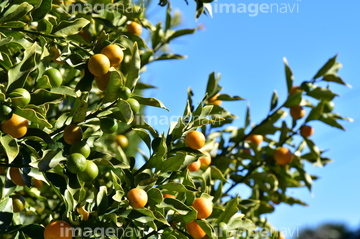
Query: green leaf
149, 101
5, 41
238, 221
6, 62
173, 163
42, 96
6, 205
64, 90
143, 86
50, 160
327, 119
208, 229
67, 28
293, 99
10, 146
334, 78
14, 24
230, 210
155, 196
177, 129
189, 107
125, 112
158, 158
306, 178
168, 18
133, 74
102, 200
118, 197
16, 12
292, 201
157, 36
180, 33
217, 174
206, 111
34, 116
200, 9
144, 135
315, 152
315, 113
247, 116
42, 10
79, 110
68, 198
38, 133
274, 100
176, 187
186, 213
265, 208
288, 74
283, 132
146, 58
113, 89
169, 56
328, 65
268, 127
213, 87
43, 82
226, 97
322, 94
141, 215
18, 74
197, 112
45, 26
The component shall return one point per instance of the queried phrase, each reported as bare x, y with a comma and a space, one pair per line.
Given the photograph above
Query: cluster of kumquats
203, 206
137, 197
101, 66
282, 156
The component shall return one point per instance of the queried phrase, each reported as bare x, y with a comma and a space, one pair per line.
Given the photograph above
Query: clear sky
248, 51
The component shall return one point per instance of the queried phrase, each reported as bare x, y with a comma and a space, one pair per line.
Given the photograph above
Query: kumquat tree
79, 160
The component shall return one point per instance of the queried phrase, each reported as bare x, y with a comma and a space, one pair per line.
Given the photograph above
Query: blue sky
248, 53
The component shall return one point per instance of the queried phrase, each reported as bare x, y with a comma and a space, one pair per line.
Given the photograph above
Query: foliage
36, 36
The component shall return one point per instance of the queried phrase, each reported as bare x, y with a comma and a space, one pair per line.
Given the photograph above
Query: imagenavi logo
254, 9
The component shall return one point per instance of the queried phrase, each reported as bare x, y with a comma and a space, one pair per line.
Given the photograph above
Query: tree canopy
73, 122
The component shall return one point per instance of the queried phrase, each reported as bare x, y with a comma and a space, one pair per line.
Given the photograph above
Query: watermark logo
100, 232
254, 9
87, 8
220, 231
